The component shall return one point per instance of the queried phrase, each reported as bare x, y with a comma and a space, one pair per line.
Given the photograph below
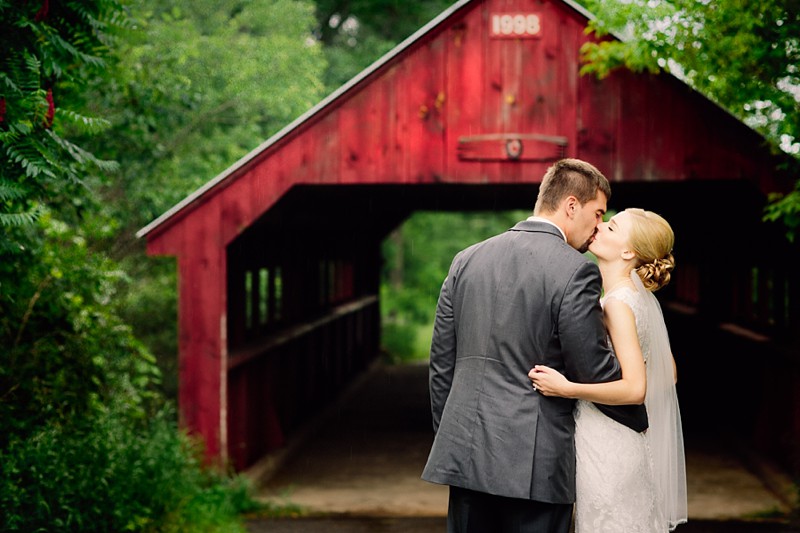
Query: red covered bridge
279, 256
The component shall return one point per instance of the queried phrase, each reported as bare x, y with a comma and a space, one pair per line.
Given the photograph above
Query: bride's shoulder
624, 300
624, 296
614, 304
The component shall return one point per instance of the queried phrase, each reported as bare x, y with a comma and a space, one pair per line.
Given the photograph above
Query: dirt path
367, 455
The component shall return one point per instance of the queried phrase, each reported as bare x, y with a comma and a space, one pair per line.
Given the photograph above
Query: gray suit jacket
521, 298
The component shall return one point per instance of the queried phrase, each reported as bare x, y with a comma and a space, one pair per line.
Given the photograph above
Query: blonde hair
651, 240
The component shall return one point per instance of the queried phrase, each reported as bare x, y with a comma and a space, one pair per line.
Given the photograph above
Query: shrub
110, 475
66, 353
85, 445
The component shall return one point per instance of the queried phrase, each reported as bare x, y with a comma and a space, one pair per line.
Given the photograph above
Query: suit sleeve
443, 351
587, 356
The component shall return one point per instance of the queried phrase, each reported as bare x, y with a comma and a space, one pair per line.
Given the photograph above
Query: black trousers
477, 512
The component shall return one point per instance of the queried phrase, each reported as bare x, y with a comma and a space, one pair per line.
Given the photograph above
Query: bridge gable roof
456, 103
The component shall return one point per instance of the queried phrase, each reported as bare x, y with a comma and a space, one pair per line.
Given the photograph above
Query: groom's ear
570, 206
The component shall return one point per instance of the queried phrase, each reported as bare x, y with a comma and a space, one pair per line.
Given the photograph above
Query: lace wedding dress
619, 487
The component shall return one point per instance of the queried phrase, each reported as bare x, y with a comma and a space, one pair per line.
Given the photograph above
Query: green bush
86, 444
397, 341
111, 475
66, 353
149, 304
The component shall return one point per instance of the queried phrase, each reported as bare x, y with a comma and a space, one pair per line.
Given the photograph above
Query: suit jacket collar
535, 226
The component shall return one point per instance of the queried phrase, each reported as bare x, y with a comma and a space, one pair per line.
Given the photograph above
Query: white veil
665, 435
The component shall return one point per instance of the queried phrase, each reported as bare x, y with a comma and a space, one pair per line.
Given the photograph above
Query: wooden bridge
279, 256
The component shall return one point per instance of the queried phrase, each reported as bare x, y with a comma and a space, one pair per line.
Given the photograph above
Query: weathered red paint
407, 121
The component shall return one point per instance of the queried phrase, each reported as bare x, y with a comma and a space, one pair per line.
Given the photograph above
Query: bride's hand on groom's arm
550, 382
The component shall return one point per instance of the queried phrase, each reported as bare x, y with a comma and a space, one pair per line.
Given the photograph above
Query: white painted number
516, 25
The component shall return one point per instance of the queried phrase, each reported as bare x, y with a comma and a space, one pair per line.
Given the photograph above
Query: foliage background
89, 441
743, 55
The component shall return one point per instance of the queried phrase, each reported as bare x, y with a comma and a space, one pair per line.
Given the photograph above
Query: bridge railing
278, 383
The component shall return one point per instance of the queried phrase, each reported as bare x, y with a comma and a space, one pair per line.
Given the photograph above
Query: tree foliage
197, 86
357, 32
72, 373
50, 50
744, 55
106, 475
66, 353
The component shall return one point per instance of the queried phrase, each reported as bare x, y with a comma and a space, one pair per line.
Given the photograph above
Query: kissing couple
546, 398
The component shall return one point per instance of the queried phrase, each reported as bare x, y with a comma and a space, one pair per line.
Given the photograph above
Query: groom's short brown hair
570, 177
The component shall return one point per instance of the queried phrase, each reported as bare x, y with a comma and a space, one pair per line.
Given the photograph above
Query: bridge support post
202, 346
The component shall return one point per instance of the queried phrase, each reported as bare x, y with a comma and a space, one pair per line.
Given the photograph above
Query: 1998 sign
515, 25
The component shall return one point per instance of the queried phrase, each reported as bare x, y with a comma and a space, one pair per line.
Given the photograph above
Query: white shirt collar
546, 221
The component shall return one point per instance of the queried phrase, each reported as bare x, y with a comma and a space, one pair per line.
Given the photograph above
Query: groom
521, 298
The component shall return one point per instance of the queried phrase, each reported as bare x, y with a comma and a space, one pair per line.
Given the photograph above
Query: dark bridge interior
303, 310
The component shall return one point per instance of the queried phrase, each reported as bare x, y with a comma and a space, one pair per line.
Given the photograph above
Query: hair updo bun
651, 240
656, 274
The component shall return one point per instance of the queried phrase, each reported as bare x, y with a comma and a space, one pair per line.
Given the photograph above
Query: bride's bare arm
630, 389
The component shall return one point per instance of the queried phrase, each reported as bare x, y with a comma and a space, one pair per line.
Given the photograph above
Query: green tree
66, 354
76, 387
744, 55
196, 86
65, 351
356, 33
50, 51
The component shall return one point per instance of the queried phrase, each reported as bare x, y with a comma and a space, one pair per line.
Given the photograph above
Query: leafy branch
51, 50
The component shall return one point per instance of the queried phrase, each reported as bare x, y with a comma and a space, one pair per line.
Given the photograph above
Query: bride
627, 481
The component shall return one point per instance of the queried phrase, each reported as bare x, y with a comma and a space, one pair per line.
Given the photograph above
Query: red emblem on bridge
514, 148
